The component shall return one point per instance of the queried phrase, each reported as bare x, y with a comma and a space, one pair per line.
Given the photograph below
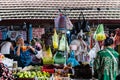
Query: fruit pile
33, 74
5, 73
100, 37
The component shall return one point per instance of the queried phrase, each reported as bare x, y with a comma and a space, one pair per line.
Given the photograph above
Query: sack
55, 39
59, 57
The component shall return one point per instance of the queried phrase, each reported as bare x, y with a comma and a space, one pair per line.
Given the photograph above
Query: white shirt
80, 45
5, 49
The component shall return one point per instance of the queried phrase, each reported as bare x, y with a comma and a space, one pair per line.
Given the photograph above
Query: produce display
5, 73
33, 74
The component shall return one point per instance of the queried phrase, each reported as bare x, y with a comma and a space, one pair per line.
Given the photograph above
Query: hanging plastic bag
63, 22
48, 59
71, 60
55, 39
93, 52
99, 34
48, 53
63, 44
59, 57
60, 22
69, 24
40, 54
56, 21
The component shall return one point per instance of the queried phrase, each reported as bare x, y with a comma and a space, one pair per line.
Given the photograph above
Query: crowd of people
23, 53
106, 62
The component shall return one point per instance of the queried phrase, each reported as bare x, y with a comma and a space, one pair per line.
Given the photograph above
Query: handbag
85, 24
82, 24
77, 25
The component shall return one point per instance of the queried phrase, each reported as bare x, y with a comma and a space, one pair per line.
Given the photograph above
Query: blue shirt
25, 58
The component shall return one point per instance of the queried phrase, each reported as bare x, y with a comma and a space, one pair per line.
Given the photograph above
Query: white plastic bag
8, 62
93, 52
40, 54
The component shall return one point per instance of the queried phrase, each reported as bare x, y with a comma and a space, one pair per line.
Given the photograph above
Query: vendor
23, 52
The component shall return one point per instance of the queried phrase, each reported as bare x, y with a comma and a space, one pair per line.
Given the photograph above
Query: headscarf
19, 36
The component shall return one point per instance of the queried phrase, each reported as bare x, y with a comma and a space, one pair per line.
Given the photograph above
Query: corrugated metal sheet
48, 9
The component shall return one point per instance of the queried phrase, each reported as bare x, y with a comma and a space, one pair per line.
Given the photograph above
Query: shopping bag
55, 39
59, 57
71, 60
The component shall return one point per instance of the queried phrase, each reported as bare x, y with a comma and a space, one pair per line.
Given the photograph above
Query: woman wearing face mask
23, 52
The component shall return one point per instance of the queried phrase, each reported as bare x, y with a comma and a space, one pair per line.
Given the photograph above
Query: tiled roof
48, 9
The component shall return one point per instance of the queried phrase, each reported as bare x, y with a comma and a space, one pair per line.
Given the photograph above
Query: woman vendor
23, 53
